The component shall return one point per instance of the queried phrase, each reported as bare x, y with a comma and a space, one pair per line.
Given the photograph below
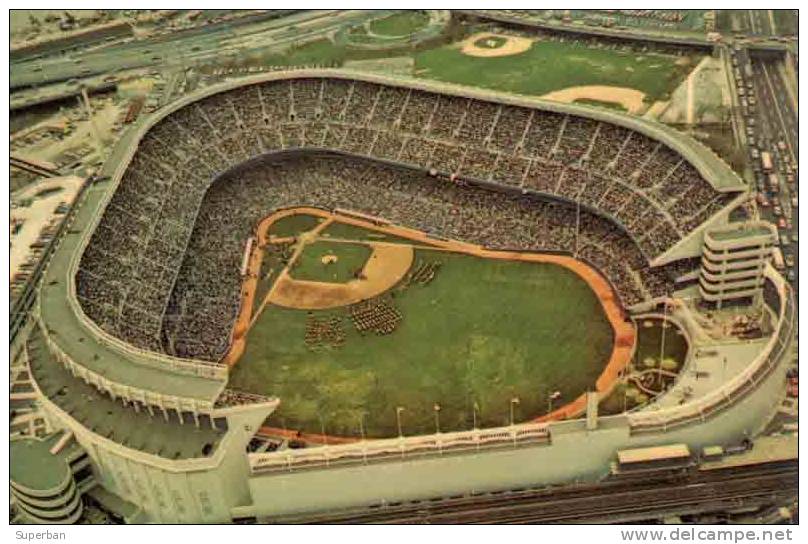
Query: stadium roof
743, 230
34, 466
158, 435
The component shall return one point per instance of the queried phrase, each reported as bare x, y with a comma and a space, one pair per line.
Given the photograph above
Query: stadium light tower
550, 398
322, 429
362, 426
514, 401
362, 434
399, 409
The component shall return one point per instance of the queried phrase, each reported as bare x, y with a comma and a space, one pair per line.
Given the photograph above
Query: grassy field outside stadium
480, 332
400, 24
550, 66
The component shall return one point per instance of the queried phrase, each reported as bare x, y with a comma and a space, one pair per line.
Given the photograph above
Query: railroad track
610, 500
32, 167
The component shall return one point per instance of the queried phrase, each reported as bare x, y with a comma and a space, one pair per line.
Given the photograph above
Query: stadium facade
118, 372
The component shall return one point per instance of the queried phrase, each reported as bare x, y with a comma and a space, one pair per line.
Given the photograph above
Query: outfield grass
482, 331
400, 24
549, 66
350, 258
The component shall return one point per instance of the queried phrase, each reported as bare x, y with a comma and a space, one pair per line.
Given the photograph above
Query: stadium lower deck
161, 271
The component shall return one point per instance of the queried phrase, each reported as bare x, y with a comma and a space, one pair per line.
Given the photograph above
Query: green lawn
482, 331
492, 42
400, 24
352, 232
322, 51
350, 259
649, 344
292, 225
271, 266
550, 66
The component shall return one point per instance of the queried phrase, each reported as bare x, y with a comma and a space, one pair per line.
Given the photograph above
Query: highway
614, 501
761, 22
776, 126
182, 48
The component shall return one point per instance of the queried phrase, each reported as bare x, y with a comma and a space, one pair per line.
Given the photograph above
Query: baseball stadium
325, 290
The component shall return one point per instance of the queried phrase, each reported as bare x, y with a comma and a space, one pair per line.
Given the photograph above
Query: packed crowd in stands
162, 269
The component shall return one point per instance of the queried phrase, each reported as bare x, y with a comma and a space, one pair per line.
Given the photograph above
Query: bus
766, 161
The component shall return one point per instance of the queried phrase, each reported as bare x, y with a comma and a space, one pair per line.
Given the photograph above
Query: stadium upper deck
648, 181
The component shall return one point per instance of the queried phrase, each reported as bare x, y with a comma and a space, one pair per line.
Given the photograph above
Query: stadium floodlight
399, 409
550, 398
322, 429
362, 426
514, 401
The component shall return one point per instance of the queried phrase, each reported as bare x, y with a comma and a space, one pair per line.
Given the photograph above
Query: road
612, 501
776, 126
180, 49
761, 22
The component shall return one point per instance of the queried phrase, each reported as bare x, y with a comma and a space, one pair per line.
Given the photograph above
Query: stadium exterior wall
199, 490
221, 487
561, 462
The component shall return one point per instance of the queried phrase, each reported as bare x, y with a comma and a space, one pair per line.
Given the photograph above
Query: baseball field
542, 67
388, 323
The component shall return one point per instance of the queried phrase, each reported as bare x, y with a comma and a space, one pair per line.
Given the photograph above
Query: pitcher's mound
486, 44
386, 266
